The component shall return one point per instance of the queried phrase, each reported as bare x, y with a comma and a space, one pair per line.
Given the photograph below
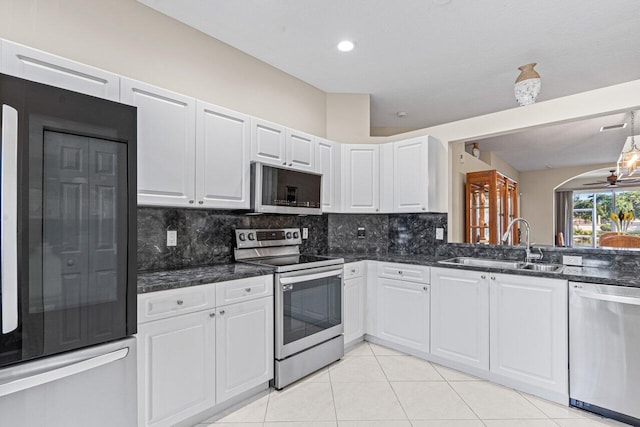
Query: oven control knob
296, 234
288, 235
251, 236
242, 237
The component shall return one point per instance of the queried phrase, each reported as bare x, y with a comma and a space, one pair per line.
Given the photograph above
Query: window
591, 214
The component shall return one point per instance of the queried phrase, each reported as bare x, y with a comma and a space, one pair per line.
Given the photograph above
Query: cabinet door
529, 330
460, 316
32, 64
300, 148
354, 295
268, 142
410, 176
328, 164
166, 144
223, 141
403, 309
361, 178
176, 361
244, 342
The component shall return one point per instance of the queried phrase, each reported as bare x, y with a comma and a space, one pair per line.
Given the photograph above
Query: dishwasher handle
607, 297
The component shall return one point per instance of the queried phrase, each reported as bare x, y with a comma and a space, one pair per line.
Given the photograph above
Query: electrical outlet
305, 233
172, 238
572, 260
361, 233
439, 233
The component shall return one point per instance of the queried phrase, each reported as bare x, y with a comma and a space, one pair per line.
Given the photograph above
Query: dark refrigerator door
75, 222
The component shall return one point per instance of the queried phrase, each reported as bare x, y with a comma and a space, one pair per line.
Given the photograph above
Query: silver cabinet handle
399, 271
483, 276
247, 289
222, 312
290, 164
212, 314
191, 202
180, 302
426, 288
284, 163
9, 218
201, 202
493, 277
353, 270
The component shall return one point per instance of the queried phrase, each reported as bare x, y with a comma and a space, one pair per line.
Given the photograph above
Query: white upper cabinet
223, 140
328, 164
529, 332
32, 64
361, 178
268, 142
413, 176
300, 149
460, 316
166, 144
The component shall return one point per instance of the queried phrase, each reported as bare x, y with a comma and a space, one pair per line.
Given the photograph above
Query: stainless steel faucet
529, 256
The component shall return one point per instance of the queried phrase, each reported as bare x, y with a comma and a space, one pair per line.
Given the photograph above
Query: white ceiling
438, 60
570, 144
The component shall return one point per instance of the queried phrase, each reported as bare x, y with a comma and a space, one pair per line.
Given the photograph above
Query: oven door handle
9, 218
307, 277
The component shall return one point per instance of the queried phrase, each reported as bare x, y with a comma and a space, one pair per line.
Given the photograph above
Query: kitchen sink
484, 262
504, 264
547, 268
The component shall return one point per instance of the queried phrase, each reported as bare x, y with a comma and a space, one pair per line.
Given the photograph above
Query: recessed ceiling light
402, 114
618, 126
346, 46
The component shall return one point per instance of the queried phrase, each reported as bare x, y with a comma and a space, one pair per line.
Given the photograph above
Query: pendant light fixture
527, 86
628, 161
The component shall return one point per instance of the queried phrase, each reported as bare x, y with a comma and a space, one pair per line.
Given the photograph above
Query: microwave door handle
307, 277
9, 218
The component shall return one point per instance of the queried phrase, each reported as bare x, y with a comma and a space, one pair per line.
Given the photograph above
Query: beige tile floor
374, 386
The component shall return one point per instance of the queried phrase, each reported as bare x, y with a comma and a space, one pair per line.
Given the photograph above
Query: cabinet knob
493, 277
201, 202
290, 164
399, 271
191, 202
247, 289
180, 302
424, 209
483, 276
377, 210
426, 288
212, 314
353, 270
284, 163
222, 312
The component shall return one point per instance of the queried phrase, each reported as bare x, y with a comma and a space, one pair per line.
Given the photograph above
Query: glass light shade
526, 91
629, 159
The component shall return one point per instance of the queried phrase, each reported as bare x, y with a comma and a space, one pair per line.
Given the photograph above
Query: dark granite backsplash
206, 237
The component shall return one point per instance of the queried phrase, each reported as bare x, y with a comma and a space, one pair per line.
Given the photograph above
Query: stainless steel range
308, 301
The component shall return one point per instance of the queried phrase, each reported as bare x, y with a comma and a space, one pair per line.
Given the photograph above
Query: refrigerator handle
63, 372
9, 218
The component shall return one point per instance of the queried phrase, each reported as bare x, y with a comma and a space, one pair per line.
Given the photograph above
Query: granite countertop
599, 275
173, 279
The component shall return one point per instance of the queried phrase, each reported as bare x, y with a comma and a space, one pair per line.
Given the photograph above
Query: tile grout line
391, 386
333, 396
464, 401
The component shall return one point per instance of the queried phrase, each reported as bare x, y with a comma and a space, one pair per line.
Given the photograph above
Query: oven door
308, 309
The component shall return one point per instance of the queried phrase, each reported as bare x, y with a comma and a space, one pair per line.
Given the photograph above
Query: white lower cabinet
460, 316
529, 330
403, 313
354, 302
176, 363
191, 362
244, 342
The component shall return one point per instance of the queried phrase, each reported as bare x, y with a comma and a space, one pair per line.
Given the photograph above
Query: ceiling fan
613, 181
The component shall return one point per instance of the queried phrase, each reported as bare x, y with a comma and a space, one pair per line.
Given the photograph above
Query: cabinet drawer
244, 289
353, 270
163, 304
411, 273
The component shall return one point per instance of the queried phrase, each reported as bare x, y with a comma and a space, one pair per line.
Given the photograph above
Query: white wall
128, 38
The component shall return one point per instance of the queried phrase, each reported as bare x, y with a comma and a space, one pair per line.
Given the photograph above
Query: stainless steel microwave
285, 191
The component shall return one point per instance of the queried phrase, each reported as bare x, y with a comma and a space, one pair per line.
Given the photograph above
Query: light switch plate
572, 260
172, 238
439, 233
305, 233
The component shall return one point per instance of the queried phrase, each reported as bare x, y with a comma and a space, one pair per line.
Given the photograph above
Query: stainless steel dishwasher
604, 346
